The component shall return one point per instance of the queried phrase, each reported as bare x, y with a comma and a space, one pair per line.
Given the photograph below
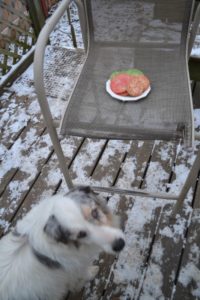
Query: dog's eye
82, 234
95, 213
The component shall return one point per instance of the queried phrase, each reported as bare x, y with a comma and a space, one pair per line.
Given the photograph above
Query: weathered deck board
133, 265
188, 285
16, 190
160, 166
124, 204
133, 168
110, 162
167, 247
16, 116
15, 140
49, 178
157, 178
131, 174
11, 157
105, 172
86, 159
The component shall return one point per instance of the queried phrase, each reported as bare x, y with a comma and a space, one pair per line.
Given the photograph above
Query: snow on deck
161, 258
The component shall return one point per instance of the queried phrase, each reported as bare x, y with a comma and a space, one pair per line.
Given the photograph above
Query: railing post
36, 15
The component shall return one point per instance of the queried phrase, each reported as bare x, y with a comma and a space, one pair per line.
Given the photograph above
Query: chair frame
39, 85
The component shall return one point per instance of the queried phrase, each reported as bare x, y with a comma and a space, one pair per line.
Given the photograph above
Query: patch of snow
197, 117
176, 231
23, 86
62, 32
196, 47
33, 109
191, 274
128, 267
165, 151
156, 174
86, 159
140, 144
114, 148
53, 175
114, 202
153, 286
194, 255
128, 173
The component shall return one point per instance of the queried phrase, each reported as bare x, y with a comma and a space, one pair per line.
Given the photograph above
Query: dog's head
83, 219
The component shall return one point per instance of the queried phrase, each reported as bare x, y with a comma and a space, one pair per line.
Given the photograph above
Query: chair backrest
151, 22
150, 35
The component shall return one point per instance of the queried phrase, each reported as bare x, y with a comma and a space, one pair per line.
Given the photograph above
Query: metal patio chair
150, 35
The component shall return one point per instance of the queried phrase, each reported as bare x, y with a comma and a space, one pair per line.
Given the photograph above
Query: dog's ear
56, 231
80, 194
75, 192
84, 189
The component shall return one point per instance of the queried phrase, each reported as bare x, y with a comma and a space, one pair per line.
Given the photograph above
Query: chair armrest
40, 52
39, 81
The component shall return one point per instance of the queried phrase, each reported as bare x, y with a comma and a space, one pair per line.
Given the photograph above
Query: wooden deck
162, 257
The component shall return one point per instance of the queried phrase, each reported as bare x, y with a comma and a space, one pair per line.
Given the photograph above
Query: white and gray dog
52, 248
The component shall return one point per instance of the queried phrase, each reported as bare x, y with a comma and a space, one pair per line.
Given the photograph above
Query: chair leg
188, 184
60, 155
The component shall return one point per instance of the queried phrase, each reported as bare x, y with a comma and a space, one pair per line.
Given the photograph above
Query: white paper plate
125, 98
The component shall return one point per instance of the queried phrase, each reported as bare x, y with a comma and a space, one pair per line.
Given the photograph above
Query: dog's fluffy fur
51, 249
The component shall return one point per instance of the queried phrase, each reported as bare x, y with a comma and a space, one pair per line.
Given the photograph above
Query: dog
51, 250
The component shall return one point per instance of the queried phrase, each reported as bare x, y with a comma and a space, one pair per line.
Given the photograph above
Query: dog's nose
118, 245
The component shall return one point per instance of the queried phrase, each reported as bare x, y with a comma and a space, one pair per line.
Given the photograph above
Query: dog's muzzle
118, 245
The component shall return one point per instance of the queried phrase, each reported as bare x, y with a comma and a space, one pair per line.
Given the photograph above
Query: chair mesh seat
147, 35
163, 113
